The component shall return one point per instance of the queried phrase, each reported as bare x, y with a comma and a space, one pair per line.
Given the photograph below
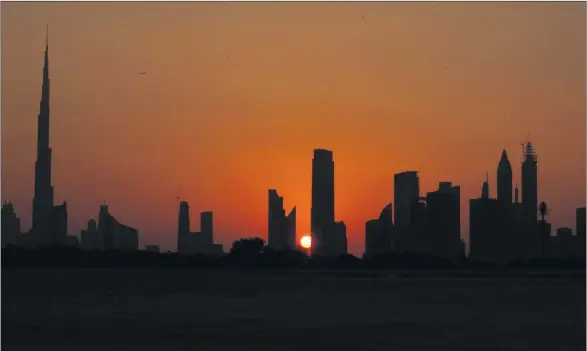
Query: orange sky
237, 96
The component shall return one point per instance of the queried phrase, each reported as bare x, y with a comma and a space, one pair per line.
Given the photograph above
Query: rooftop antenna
179, 196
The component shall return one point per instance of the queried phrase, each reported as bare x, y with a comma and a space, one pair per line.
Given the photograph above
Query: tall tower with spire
504, 180
43, 197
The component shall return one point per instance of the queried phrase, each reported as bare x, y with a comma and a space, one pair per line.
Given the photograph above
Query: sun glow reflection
306, 242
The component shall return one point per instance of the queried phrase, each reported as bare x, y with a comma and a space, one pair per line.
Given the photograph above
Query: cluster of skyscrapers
501, 230
504, 231
49, 227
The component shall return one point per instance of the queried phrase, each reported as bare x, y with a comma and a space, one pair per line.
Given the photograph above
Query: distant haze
237, 95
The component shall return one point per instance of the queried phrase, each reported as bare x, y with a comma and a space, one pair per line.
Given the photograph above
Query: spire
485, 189
504, 161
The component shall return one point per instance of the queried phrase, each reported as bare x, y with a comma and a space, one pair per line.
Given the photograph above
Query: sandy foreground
149, 309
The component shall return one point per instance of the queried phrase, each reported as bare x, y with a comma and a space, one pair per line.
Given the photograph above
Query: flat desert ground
150, 309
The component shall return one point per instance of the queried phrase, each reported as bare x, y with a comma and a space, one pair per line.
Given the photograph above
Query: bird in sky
143, 73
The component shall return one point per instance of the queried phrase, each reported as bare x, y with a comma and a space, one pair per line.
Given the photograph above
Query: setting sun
306, 242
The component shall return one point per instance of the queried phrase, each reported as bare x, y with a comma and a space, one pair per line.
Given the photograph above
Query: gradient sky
237, 96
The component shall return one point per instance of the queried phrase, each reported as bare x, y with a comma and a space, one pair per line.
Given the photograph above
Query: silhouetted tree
544, 211
248, 247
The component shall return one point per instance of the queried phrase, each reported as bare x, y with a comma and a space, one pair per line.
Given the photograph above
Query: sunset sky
237, 96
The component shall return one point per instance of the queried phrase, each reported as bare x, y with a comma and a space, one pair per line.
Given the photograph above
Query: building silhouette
10, 225
490, 229
115, 235
58, 226
282, 235
379, 233
504, 180
336, 243
43, 192
485, 188
406, 195
91, 238
152, 248
322, 211
291, 229
183, 227
207, 227
530, 185
563, 245
193, 243
443, 216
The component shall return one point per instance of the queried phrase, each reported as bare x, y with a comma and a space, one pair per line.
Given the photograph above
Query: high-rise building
406, 195
372, 238
183, 226
202, 242
530, 185
126, 238
58, 225
207, 226
91, 238
43, 193
340, 245
379, 233
444, 221
276, 227
291, 229
281, 228
488, 237
504, 180
322, 211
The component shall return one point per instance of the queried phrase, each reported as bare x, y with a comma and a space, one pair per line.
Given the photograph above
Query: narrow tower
322, 211
530, 185
504, 180
43, 196
485, 188
183, 226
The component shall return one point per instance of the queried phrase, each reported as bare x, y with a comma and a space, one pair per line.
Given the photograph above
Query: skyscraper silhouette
406, 195
183, 226
322, 212
504, 180
281, 228
207, 226
530, 185
291, 229
43, 196
276, 226
379, 233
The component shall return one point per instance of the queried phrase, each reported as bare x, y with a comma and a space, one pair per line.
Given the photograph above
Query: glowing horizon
238, 95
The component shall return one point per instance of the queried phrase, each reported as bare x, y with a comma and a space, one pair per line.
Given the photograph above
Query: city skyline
362, 187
